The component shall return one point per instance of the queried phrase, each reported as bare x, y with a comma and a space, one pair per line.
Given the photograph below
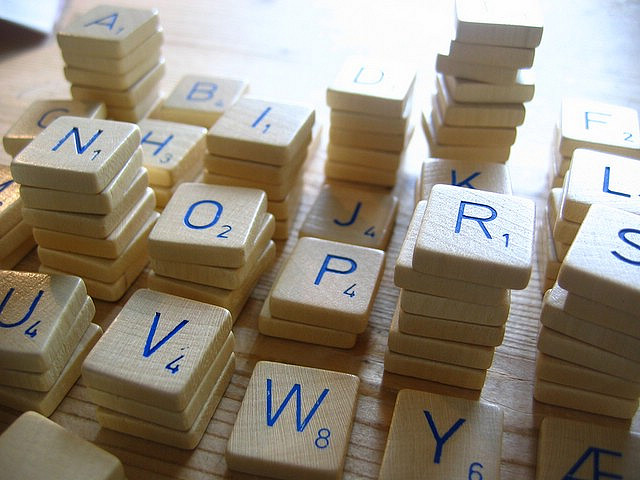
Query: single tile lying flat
463, 90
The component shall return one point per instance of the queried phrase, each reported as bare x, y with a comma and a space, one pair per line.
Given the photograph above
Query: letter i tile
294, 422
433, 436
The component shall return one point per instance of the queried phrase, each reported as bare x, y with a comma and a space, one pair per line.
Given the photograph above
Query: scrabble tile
375, 87
568, 397
315, 445
300, 332
182, 420
405, 276
277, 192
76, 154
232, 300
208, 225
470, 136
492, 54
602, 263
40, 114
379, 160
328, 284
599, 126
89, 224
479, 72
600, 178
446, 373
260, 130
352, 215
173, 360
555, 370
554, 317
60, 453
101, 203
521, 91
44, 381
188, 439
137, 113
368, 123
201, 100
567, 447
433, 436
552, 263
108, 31
109, 247
561, 346
564, 231
456, 239
46, 402
393, 142
561, 249
10, 201
359, 174
15, 237
499, 22
170, 149
164, 194
36, 318
457, 353
287, 208
11, 259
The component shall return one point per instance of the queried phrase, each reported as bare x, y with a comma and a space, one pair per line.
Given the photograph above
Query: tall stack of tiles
484, 80
46, 335
589, 342
85, 193
463, 252
113, 55
211, 244
262, 144
370, 121
161, 368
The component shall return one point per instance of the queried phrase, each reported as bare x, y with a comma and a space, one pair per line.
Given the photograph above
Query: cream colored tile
468, 136
10, 201
164, 194
479, 72
308, 440
568, 447
334, 170
372, 86
262, 131
522, 91
76, 154
286, 209
602, 263
201, 100
564, 231
37, 311
492, 54
393, 142
9, 261
433, 436
162, 368
328, 284
15, 237
40, 114
60, 453
363, 157
369, 123
142, 109
275, 192
108, 31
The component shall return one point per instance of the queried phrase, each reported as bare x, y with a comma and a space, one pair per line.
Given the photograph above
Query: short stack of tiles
46, 334
16, 238
172, 155
211, 244
161, 368
589, 343
324, 293
37, 448
85, 194
484, 80
464, 251
263, 144
370, 121
307, 427
113, 55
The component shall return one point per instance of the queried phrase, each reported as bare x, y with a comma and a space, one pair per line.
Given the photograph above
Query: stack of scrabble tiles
463, 252
589, 342
484, 80
370, 121
113, 55
212, 243
16, 238
47, 333
161, 368
85, 193
262, 144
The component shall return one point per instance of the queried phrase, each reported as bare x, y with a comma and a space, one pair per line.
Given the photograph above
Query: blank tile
393, 142
448, 65
362, 157
492, 54
10, 201
328, 284
470, 136
60, 453
368, 123
359, 174
162, 368
568, 447
457, 240
311, 440
434, 436
76, 154
463, 90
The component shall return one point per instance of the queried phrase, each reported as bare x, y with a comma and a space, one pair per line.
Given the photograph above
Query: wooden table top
291, 50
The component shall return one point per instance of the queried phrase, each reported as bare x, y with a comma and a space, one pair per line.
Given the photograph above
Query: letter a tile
294, 422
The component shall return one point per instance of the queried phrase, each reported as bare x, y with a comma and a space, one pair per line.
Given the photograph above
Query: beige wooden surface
291, 50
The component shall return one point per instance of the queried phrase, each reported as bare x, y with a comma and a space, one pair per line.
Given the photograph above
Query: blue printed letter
216, 217
481, 221
202, 91
34, 303
150, 349
597, 473
297, 390
440, 440
623, 236
80, 149
325, 267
